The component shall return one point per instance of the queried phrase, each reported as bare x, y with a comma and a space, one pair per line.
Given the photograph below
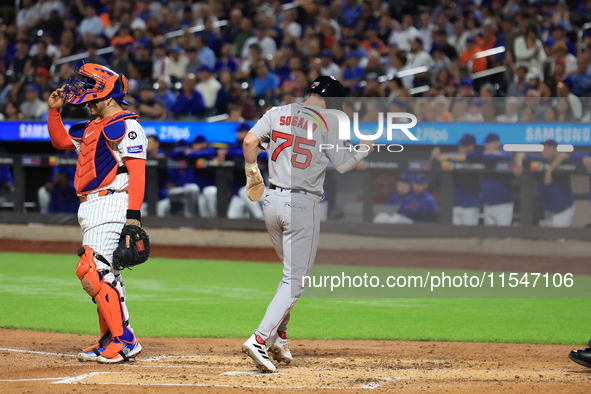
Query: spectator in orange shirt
123, 35
486, 40
373, 42
471, 49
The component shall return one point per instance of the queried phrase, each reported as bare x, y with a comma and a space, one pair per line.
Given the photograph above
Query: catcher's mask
331, 90
95, 82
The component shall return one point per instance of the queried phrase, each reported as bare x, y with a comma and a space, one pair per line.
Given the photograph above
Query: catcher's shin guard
87, 273
103, 293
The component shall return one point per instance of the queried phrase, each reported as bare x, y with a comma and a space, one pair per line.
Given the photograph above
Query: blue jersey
420, 208
579, 156
203, 177
557, 196
64, 200
495, 188
181, 176
5, 176
69, 172
467, 190
395, 198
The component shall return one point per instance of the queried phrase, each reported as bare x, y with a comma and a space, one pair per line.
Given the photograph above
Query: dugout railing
24, 179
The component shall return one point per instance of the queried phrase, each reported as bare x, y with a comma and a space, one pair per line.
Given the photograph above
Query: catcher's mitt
138, 251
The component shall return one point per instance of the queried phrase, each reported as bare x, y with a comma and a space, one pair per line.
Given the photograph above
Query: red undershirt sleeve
57, 131
137, 182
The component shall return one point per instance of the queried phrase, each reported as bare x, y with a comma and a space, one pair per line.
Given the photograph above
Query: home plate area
212, 371
35, 362
310, 373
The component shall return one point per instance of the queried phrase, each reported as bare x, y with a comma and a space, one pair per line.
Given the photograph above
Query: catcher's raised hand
56, 99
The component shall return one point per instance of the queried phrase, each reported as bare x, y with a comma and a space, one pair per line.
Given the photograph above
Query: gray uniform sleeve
263, 128
342, 153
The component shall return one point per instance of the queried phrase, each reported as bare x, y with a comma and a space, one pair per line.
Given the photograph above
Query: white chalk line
231, 386
35, 352
75, 379
29, 380
79, 378
128, 365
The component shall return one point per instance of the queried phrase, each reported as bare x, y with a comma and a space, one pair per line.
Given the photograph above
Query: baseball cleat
119, 351
91, 353
581, 357
279, 349
257, 350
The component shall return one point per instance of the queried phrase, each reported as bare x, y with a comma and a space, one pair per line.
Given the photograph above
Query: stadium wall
328, 241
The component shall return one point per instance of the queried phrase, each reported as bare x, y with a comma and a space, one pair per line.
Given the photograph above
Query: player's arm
57, 132
250, 149
355, 158
133, 151
257, 137
518, 158
137, 184
558, 160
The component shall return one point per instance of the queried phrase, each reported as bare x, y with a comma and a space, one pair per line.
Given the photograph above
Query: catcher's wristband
134, 214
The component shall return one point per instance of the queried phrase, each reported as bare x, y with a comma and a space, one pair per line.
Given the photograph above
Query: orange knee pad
87, 273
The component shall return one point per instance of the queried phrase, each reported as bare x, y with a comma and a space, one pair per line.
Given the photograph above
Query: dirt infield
38, 362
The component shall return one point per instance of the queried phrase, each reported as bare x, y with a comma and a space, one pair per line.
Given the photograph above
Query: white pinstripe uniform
102, 217
297, 168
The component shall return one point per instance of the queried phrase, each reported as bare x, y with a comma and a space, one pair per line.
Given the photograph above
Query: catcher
109, 180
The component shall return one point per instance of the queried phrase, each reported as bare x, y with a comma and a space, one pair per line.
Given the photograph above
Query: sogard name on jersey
296, 121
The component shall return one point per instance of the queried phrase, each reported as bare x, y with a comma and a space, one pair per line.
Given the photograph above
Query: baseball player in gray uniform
297, 167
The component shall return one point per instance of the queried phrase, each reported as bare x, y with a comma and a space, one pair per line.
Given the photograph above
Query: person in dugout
197, 151
467, 202
496, 188
554, 190
420, 207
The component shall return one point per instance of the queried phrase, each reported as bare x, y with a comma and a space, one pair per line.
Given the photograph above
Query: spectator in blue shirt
227, 62
352, 72
205, 53
555, 193
163, 94
265, 83
351, 11
189, 101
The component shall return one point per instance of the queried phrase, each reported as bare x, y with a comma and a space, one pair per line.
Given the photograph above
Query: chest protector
97, 164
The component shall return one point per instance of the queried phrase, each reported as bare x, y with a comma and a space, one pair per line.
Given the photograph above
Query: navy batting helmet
331, 90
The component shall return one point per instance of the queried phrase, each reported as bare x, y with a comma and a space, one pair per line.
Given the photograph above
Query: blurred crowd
189, 60
503, 61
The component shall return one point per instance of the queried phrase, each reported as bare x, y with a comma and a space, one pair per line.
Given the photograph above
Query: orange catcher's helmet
95, 82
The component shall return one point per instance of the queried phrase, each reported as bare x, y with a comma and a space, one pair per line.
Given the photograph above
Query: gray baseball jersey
295, 161
301, 140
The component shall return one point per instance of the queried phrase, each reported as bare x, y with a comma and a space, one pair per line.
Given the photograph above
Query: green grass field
201, 298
